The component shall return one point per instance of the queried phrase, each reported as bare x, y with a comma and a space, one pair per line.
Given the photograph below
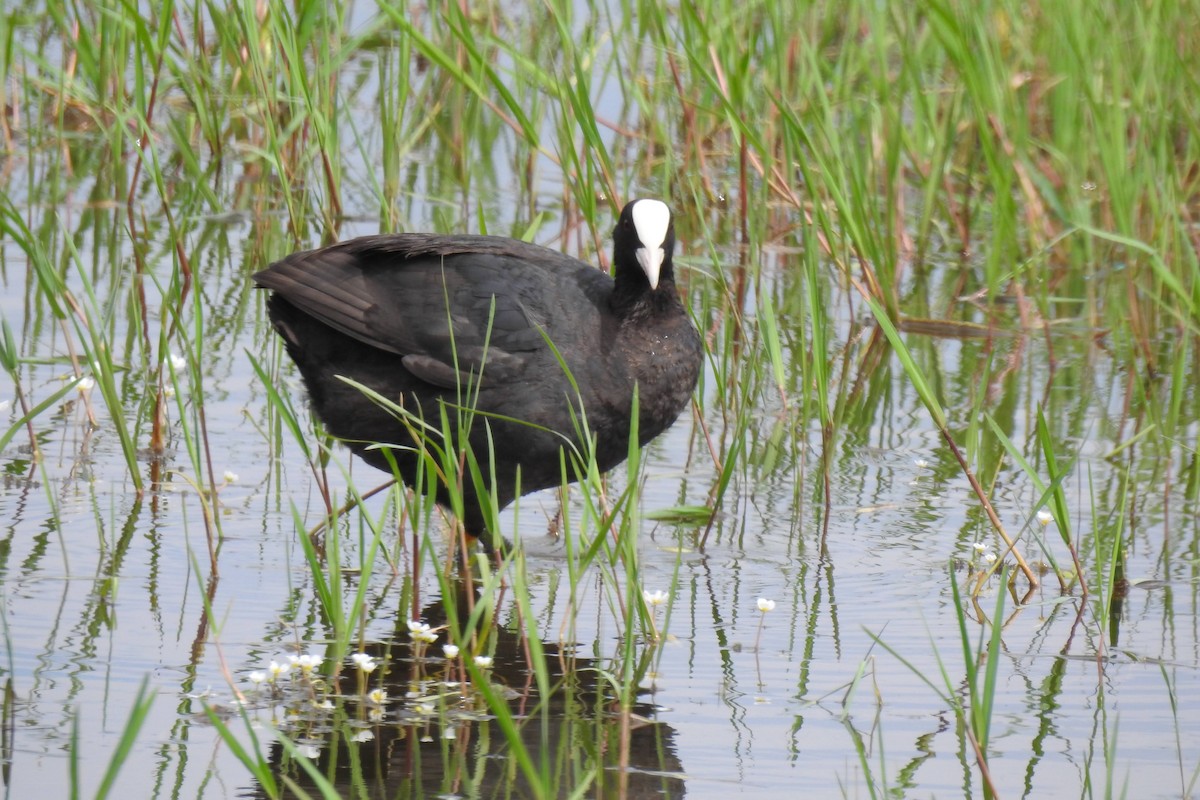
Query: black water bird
536, 342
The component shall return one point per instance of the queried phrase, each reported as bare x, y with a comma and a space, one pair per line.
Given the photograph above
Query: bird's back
423, 320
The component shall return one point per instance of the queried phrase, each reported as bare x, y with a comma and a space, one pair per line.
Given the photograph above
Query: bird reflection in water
435, 736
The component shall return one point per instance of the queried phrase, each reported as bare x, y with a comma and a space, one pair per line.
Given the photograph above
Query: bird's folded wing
445, 315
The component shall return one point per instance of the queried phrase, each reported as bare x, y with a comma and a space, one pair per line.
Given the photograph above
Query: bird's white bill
651, 219
651, 261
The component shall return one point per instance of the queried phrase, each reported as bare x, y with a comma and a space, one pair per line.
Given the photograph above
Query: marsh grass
859, 182
124, 746
972, 697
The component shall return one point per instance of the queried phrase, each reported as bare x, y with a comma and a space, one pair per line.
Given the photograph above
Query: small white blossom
1044, 517
980, 546
308, 750
278, 670
365, 735
765, 605
177, 362
307, 662
377, 696
989, 557
324, 705
364, 662
85, 385
421, 632
450, 650
483, 662
256, 677
921, 463
656, 598
230, 476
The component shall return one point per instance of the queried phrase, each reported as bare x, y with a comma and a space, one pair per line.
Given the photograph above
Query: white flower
449, 732
308, 750
921, 463
277, 670
420, 632
765, 605
450, 650
1045, 517
980, 546
377, 696
85, 385
324, 705
307, 662
177, 362
168, 391
256, 677
989, 557
365, 735
655, 598
364, 662
230, 476
483, 662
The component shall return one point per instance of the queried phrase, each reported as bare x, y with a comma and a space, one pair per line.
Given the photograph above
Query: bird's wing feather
449, 313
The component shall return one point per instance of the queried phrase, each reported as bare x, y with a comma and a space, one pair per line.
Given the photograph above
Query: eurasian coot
536, 342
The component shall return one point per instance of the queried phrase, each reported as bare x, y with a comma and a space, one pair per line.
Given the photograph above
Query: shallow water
105, 591
101, 593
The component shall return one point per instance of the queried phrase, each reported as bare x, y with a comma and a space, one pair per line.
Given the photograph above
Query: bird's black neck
632, 295
642, 302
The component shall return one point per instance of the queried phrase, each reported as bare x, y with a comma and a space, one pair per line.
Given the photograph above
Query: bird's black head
643, 242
